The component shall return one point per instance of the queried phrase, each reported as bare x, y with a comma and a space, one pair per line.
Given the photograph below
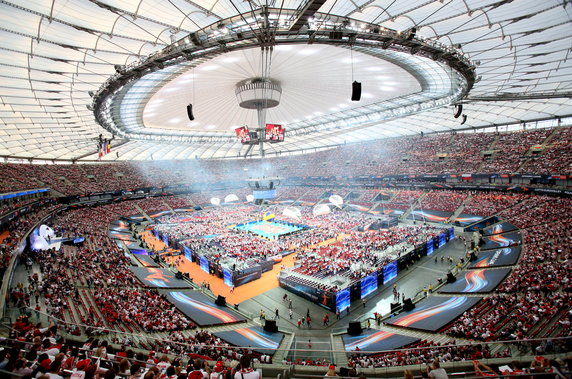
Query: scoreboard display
242, 134
274, 133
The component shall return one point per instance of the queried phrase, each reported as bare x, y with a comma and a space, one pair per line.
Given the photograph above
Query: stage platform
124, 236
254, 337
477, 281
202, 309
434, 312
374, 341
429, 215
158, 277
501, 240
502, 257
467, 219
146, 260
501, 227
269, 229
119, 225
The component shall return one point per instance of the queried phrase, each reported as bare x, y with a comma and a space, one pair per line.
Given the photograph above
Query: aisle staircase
340, 356
143, 212
528, 155
283, 348
412, 207
461, 208
491, 147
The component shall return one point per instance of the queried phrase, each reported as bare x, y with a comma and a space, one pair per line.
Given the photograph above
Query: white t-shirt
247, 374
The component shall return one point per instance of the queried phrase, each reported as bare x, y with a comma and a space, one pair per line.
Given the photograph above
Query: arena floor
268, 229
265, 294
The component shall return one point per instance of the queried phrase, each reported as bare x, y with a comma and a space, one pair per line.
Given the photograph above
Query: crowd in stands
442, 200
535, 298
557, 156
101, 266
360, 253
489, 203
150, 310
534, 301
402, 199
17, 229
35, 351
515, 317
9, 206
422, 352
511, 149
436, 154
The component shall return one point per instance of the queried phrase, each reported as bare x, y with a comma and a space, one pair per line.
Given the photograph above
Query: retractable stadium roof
72, 70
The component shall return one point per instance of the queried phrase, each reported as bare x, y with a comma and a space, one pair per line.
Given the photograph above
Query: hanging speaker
458, 110
220, 301
354, 328
190, 112
356, 91
408, 305
270, 326
464, 119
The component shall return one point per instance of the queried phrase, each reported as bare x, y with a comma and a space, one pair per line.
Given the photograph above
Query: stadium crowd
92, 285
437, 154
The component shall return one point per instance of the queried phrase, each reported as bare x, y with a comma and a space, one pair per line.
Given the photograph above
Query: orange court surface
247, 291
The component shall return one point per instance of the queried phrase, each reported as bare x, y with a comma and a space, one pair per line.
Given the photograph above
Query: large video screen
227, 274
368, 285
188, 253
430, 247
343, 299
451, 233
389, 271
274, 133
242, 134
204, 263
264, 194
442, 239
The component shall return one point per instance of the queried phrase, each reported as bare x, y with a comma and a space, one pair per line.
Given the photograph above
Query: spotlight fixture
458, 110
411, 33
464, 119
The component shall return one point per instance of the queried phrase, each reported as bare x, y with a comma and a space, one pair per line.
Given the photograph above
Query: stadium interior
295, 189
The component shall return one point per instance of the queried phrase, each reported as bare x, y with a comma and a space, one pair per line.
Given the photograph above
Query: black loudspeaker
270, 326
464, 119
220, 301
354, 328
458, 110
356, 91
336, 35
395, 307
190, 112
451, 278
408, 305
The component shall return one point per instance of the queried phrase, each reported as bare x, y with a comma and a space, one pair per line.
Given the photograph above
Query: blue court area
269, 229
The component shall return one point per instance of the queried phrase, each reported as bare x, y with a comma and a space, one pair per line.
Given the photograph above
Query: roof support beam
307, 11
